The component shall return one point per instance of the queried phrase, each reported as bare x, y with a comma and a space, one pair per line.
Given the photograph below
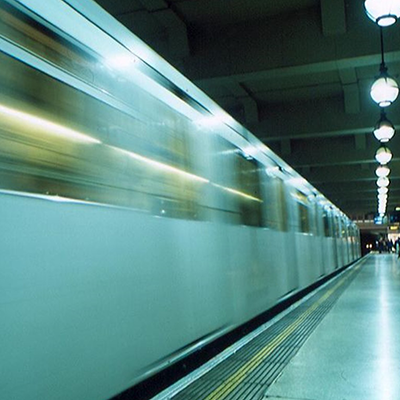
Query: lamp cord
382, 52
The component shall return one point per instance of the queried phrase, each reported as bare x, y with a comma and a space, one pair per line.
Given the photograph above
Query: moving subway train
139, 220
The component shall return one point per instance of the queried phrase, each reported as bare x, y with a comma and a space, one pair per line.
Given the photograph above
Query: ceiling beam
273, 48
347, 173
330, 151
322, 118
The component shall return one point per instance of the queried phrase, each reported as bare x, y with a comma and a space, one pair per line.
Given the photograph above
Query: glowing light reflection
122, 61
237, 192
17, 116
162, 166
169, 168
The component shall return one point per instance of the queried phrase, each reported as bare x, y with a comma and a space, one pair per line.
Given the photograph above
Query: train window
315, 217
275, 215
326, 223
337, 231
248, 182
283, 220
303, 207
344, 228
59, 141
271, 203
304, 222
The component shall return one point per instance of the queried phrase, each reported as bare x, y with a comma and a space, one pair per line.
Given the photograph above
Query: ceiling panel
216, 12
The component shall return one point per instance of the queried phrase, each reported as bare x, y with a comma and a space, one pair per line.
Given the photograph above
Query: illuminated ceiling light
384, 129
382, 170
383, 182
382, 197
383, 12
383, 190
384, 90
383, 155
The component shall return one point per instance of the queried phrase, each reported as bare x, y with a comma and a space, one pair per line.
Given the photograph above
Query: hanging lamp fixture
383, 182
382, 170
383, 190
383, 155
383, 12
384, 90
384, 129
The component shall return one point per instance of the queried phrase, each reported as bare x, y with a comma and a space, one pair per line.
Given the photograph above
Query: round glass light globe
383, 181
383, 155
384, 130
383, 12
384, 91
382, 198
383, 190
382, 170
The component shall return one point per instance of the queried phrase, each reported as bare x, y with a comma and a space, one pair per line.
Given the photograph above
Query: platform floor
340, 343
354, 354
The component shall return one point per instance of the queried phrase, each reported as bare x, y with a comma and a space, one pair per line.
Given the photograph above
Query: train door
318, 231
288, 213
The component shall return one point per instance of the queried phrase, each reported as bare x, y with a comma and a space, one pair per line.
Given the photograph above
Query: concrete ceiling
296, 73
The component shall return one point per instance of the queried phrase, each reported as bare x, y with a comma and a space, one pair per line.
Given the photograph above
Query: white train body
138, 220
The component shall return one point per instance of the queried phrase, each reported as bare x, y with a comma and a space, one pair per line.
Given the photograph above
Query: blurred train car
139, 221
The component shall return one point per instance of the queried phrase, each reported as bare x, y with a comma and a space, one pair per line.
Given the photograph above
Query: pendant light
384, 129
382, 190
382, 170
384, 90
383, 12
383, 181
383, 155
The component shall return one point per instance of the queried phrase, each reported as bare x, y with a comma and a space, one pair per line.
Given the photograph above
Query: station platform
341, 342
